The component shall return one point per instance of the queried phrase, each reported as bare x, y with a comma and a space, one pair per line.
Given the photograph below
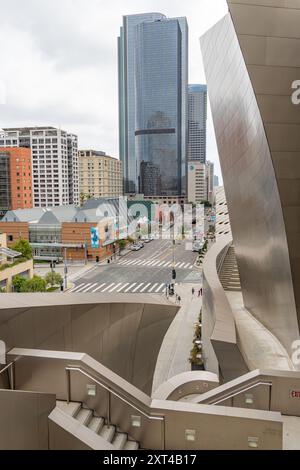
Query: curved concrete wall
251, 59
221, 352
122, 334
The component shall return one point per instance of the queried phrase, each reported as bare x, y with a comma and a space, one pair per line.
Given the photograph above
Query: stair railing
246, 388
110, 392
11, 370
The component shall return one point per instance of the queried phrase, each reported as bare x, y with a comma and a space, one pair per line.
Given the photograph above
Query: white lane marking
180, 265
114, 288
99, 287
123, 287
137, 288
153, 287
159, 288
156, 262
91, 287
108, 287
177, 264
84, 287
145, 287
151, 263
77, 287
130, 287
169, 264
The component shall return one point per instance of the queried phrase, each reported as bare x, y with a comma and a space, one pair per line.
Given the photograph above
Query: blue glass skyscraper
153, 78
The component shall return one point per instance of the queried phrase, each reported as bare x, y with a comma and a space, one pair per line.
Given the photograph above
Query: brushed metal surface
250, 57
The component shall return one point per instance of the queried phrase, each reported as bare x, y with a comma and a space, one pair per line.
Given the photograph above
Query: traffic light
173, 274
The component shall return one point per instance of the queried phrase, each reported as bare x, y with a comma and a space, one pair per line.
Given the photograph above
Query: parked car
136, 247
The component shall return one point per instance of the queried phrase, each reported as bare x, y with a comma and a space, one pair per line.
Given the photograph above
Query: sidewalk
174, 354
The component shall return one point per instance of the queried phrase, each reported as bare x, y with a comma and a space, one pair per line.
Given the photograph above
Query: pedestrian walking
201, 291
193, 291
179, 299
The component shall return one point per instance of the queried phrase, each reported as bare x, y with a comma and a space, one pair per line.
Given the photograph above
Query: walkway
261, 349
174, 354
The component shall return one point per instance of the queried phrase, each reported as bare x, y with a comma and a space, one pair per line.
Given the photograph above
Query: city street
144, 271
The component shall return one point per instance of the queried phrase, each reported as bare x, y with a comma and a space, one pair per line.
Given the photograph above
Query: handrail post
12, 376
108, 407
68, 379
164, 433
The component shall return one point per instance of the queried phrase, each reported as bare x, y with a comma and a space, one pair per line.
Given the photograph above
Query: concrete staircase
85, 417
229, 275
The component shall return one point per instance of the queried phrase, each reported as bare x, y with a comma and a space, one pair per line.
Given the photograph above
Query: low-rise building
11, 265
89, 233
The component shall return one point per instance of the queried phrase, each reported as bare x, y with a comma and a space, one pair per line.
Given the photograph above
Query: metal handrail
110, 391
10, 367
244, 389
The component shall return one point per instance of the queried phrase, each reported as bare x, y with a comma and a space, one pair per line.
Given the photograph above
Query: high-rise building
54, 156
197, 117
197, 182
153, 77
99, 175
200, 182
15, 179
210, 181
216, 181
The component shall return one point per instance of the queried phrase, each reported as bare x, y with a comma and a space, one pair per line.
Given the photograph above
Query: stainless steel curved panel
250, 126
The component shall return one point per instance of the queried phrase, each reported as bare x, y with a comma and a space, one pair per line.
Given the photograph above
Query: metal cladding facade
252, 57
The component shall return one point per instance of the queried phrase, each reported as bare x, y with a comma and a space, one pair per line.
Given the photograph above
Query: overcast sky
59, 62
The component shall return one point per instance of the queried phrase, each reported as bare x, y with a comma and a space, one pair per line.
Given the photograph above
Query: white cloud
59, 62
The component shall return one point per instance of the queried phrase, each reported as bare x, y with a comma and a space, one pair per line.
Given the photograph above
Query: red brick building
15, 178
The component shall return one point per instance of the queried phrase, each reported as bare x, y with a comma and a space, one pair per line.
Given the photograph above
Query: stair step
71, 408
119, 440
84, 416
107, 432
131, 445
96, 424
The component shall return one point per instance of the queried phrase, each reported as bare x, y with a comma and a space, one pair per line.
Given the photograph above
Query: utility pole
66, 270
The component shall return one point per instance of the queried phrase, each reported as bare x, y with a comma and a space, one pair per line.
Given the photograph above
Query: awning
9, 253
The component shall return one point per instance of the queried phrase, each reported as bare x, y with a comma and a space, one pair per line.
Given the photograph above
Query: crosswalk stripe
99, 287
153, 287
180, 265
77, 287
188, 266
137, 288
114, 288
108, 287
151, 263
90, 287
156, 262
84, 287
130, 287
159, 288
145, 287
123, 287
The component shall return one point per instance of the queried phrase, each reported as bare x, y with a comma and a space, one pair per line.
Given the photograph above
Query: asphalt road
144, 271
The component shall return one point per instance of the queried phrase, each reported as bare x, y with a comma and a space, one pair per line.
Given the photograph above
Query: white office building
55, 179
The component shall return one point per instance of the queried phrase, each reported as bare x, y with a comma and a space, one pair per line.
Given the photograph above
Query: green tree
53, 278
36, 284
24, 248
19, 283
122, 245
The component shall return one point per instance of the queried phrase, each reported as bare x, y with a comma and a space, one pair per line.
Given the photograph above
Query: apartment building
99, 175
54, 159
15, 179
